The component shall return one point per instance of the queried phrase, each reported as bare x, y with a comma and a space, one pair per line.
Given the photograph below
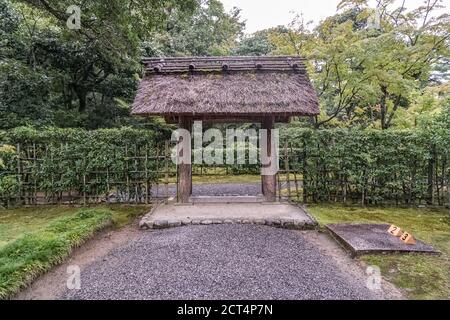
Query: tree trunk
82, 97
383, 107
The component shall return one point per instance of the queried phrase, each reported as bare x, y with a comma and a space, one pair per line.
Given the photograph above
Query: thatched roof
228, 86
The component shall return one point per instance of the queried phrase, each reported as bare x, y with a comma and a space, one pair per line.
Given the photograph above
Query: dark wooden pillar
269, 182
185, 170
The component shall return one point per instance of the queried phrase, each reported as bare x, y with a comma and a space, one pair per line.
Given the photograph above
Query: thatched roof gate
226, 89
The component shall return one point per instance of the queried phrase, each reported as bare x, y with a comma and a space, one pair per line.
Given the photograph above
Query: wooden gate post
185, 170
269, 182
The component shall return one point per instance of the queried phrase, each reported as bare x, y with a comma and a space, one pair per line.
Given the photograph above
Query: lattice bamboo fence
49, 174
125, 166
314, 173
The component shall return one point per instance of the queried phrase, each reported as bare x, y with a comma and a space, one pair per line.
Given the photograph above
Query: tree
256, 44
399, 56
115, 26
87, 77
365, 73
24, 87
210, 31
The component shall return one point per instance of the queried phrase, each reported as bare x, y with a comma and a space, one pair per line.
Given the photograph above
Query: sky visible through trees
261, 15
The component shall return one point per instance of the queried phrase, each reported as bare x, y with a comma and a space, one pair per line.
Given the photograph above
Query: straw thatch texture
227, 86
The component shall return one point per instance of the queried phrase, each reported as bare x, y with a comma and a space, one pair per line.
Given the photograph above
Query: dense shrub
364, 166
56, 165
372, 166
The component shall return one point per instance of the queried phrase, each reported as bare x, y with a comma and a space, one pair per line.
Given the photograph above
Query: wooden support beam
269, 182
224, 118
185, 170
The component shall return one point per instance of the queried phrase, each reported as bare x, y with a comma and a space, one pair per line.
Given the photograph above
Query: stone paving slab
362, 239
277, 215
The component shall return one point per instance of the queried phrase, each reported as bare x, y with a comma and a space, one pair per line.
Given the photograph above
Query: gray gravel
218, 262
219, 189
231, 189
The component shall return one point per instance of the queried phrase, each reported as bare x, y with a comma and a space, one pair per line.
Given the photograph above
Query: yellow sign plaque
408, 238
395, 231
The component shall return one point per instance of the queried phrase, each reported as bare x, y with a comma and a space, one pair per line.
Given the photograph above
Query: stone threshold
147, 224
279, 215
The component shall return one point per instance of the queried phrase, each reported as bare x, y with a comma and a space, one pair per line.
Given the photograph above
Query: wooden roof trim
229, 71
224, 58
217, 64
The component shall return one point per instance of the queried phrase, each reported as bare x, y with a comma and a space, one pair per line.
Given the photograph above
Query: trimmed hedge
372, 166
75, 165
339, 165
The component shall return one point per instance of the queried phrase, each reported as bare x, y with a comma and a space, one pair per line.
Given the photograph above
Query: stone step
292, 224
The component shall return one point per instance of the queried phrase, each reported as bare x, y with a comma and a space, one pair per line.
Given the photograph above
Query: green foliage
51, 75
421, 276
256, 44
210, 31
371, 76
56, 136
348, 165
9, 185
114, 27
372, 166
442, 122
425, 108
366, 74
83, 163
22, 260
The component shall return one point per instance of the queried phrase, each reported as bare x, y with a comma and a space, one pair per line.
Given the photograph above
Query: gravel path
218, 262
227, 189
218, 189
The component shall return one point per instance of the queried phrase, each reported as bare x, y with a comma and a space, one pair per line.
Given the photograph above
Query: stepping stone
361, 239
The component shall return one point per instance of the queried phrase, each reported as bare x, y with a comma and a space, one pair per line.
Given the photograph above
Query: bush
9, 185
364, 166
371, 166
79, 165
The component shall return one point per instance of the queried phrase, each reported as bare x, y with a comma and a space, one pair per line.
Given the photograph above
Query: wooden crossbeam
224, 64
227, 58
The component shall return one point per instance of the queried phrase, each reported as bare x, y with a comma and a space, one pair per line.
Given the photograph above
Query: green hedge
60, 165
56, 136
372, 166
341, 165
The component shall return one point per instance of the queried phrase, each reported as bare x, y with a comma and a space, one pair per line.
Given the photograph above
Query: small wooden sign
395, 231
407, 238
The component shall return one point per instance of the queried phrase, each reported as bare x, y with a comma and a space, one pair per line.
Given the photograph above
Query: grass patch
421, 276
15, 222
35, 239
124, 214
